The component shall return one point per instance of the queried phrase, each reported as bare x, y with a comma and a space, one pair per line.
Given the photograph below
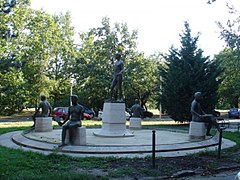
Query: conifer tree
188, 71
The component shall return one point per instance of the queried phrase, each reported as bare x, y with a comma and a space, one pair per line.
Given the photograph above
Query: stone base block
114, 113
114, 121
197, 130
135, 123
43, 124
109, 133
79, 136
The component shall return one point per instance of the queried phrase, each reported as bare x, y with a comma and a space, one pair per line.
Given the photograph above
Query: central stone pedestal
114, 121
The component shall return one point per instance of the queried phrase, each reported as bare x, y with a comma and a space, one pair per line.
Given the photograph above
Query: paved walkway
168, 143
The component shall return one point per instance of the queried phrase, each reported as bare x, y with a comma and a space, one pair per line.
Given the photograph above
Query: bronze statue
117, 77
75, 114
45, 107
198, 115
136, 109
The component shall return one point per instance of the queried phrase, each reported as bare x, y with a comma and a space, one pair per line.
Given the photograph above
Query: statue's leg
209, 125
64, 130
113, 84
72, 131
120, 88
208, 121
34, 121
214, 122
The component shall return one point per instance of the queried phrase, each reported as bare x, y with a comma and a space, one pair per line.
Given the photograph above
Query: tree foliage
94, 65
42, 58
230, 60
13, 92
188, 71
230, 78
36, 60
142, 79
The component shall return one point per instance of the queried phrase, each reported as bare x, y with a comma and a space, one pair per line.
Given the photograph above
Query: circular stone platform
168, 143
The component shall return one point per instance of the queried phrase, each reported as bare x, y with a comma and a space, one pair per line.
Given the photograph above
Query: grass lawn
18, 164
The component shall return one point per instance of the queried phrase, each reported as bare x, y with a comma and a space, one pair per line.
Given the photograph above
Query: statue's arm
50, 109
38, 108
67, 118
193, 107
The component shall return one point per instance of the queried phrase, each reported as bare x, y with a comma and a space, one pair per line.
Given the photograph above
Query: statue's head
118, 56
43, 97
74, 99
137, 101
197, 95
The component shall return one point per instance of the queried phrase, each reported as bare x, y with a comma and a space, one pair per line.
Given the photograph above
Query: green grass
168, 126
233, 136
19, 164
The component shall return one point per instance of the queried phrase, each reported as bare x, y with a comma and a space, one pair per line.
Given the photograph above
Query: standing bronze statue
75, 114
117, 77
45, 107
198, 115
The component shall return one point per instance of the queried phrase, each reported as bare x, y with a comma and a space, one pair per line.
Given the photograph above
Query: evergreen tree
188, 71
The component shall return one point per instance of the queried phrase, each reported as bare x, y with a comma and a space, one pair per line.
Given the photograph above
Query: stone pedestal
114, 121
43, 124
79, 137
197, 130
135, 123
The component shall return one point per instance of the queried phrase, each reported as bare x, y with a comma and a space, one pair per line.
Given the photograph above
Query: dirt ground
177, 167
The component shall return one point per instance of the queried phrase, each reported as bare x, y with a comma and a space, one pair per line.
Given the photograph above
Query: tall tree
13, 93
94, 67
188, 71
36, 42
230, 78
63, 54
230, 58
142, 79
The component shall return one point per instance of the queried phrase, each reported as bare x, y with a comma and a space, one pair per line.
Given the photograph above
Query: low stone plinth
43, 124
135, 123
197, 130
79, 136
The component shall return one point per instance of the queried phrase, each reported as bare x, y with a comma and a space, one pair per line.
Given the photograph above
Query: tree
36, 40
211, 1
13, 94
141, 79
230, 78
94, 66
63, 54
48, 54
230, 59
187, 72
38, 60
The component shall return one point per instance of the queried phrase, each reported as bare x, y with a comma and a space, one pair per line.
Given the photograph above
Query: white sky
159, 22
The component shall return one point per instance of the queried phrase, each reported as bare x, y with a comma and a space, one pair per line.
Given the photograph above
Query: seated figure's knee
64, 128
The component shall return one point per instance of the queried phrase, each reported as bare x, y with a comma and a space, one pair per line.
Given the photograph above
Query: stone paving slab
141, 137
168, 144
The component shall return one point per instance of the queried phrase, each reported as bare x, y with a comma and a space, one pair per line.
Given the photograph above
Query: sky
159, 22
